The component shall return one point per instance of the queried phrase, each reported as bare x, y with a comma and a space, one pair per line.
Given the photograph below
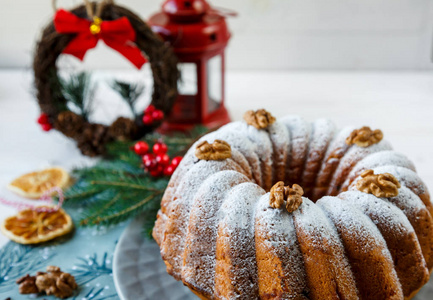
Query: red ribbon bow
117, 34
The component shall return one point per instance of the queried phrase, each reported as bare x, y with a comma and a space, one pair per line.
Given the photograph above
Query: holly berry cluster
44, 121
152, 115
157, 163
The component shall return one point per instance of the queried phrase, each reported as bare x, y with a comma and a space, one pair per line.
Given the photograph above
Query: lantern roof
185, 10
191, 26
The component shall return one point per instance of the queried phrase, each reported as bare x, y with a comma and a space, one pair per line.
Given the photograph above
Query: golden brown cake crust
226, 239
366, 251
400, 238
279, 259
198, 270
320, 246
336, 150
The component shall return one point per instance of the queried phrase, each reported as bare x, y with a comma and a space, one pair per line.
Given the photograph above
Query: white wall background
269, 34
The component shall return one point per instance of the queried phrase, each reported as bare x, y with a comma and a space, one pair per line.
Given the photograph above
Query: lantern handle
223, 12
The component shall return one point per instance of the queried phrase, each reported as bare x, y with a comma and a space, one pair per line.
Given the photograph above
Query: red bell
199, 36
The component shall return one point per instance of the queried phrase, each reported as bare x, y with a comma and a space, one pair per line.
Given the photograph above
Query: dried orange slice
33, 227
34, 185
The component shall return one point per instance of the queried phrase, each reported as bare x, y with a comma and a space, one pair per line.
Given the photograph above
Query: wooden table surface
399, 103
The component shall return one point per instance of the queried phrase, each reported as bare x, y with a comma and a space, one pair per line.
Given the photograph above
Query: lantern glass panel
214, 82
188, 79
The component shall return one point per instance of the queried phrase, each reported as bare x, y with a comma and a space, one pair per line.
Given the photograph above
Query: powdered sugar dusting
350, 159
238, 209
280, 139
212, 209
178, 216
263, 148
399, 235
382, 158
236, 275
244, 154
383, 211
349, 219
277, 245
336, 150
322, 133
185, 164
366, 250
311, 219
273, 222
338, 145
300, 131
199, 256
406, 177
247, 148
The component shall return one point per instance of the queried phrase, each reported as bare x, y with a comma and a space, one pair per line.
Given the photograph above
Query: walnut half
260, 119
364, 137
291, 197
218, 150
53, 282
27, 285
380, 185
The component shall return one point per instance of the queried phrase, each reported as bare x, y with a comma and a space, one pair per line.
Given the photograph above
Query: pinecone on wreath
69, 123
123, 129
92, 140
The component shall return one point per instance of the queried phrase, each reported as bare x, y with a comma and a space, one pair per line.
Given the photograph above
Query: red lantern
199, 36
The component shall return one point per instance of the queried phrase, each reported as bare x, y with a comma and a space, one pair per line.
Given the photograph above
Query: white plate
140, 273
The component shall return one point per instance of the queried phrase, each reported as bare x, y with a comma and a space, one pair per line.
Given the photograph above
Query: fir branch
80, 199
80, 92
117, 188
123, 214
122, 184
56, 87
130, 92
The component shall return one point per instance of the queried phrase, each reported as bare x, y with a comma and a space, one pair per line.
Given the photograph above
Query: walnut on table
53, 282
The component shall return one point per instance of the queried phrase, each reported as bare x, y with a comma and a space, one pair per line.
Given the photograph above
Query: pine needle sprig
126, 212
130, 92
117, 188
80, 92
56, 86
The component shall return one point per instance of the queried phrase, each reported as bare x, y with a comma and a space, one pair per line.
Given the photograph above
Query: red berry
160, 148
150, 165
157, 171
158, 115
176, 161
149, 110
147, 120
168, 170
163, 159
141, 148
148, 157
43, 119
46, 127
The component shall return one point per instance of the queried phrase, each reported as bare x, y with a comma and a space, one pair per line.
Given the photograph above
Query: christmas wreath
76, 31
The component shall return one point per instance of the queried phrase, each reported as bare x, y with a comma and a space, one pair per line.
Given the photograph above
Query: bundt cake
287, 209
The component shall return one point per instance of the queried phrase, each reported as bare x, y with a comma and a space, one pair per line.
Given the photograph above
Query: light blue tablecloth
87, 254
